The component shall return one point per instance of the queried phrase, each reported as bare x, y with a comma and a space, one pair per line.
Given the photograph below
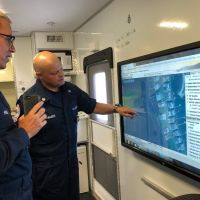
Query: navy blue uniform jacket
54, 149
15, 162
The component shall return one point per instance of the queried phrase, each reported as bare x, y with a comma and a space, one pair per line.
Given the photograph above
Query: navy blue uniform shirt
15, 162
54, 149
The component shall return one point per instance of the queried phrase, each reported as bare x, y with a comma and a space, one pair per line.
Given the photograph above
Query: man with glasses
54, 149
9, 38
15, 162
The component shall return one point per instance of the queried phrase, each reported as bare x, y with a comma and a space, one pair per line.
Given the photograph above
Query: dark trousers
56, 180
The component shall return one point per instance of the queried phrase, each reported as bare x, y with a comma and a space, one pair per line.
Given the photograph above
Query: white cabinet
52, 41
82, 128
83, 169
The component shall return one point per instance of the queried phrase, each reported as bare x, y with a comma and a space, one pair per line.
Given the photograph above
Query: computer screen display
164, 89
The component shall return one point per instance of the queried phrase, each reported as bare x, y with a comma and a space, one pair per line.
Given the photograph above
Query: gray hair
4, 16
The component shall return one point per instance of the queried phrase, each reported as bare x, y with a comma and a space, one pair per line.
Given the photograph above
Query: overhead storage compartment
52, 41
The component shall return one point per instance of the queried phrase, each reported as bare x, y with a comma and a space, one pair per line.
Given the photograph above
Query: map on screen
165, 92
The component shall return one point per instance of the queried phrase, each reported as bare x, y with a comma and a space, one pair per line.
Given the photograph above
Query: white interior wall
9, 91
140, 37
23, 64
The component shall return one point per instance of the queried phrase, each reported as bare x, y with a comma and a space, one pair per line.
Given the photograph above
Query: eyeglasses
10, 38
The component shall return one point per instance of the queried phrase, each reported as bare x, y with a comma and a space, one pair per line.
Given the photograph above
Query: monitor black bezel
148, 155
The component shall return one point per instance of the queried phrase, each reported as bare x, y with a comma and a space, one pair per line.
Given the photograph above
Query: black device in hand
29, 102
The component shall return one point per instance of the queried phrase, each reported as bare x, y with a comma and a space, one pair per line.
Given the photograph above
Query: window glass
100, 91
100, 88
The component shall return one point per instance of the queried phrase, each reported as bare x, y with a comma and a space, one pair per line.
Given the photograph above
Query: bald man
54, 149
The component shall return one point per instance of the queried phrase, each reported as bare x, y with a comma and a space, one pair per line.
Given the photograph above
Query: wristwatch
115, 107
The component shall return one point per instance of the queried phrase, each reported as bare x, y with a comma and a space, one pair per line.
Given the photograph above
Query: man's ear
37, 75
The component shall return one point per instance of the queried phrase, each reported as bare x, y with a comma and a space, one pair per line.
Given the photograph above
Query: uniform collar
43, 92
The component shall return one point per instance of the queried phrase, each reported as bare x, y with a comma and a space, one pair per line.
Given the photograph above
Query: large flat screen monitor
164, 89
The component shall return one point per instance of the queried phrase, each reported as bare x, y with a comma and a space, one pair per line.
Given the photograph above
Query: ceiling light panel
173, 25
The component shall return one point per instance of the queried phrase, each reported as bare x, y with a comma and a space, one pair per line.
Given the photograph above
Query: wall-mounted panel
104, 138
106, 173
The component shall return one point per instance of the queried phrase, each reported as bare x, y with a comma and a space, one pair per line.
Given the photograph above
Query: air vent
52, 41
54, 38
